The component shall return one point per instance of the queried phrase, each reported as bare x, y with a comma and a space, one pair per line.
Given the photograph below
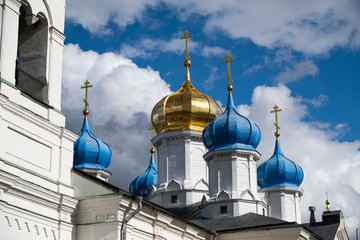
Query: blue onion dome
279, 171
142, 184
89, 151
231, 130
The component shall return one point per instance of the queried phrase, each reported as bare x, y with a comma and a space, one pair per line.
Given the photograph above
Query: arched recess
223, 195
173, 186
247, 194
32, 54
201, 185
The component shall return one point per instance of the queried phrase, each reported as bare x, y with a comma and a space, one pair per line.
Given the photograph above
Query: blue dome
231, 130
279, 171
145, 180
90, 152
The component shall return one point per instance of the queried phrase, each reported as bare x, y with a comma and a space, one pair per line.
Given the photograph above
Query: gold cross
152, 132
186, 33
152, 150
86, 86
227, 60
276, 110
327, 203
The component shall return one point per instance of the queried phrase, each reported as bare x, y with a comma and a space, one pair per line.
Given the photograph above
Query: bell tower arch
31, 45
31, 59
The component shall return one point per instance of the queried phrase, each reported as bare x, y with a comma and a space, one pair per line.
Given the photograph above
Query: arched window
32, 54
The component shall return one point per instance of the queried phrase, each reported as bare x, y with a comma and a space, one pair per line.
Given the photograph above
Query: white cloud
253, 69
209, 82
329, 165
244, 110
96, 15
121, 101
122, 85
307, 26
148, 48
317, 101
297, 72
209, 51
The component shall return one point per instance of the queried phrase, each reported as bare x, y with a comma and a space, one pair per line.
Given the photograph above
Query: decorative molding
233, 153
30, 116
283, 189
57, 36
15, 5
8, 83
33, 173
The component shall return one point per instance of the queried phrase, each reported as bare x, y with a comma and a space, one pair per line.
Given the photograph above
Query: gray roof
325, 231
328, 227
246, 221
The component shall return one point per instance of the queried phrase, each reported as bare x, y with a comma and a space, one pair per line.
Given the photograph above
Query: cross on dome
276, 124
327, 202
186, 33
86, 86
227, 60
152, 150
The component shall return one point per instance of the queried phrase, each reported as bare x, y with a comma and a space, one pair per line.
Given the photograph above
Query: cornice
284, 189
232, 152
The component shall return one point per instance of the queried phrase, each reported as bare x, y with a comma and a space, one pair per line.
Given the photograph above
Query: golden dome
185, 109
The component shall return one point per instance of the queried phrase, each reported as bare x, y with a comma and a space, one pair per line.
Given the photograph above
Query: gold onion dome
185, 109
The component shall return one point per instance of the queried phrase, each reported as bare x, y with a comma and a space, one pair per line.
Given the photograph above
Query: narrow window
174, 198
32, 54
263, 211
223, 209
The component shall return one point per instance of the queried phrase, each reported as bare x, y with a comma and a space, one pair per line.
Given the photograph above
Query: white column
284, 202
9, 39
54, 70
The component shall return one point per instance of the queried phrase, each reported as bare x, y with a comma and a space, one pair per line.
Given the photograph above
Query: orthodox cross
276, 110
86, 86
152, 150
327, 202
227, 60
186, 33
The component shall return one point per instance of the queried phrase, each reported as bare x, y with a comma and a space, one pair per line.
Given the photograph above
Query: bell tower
36, 153
31, 45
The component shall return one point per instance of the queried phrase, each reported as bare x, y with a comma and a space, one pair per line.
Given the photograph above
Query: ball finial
277, 134
229, 88
187, 63
86, 112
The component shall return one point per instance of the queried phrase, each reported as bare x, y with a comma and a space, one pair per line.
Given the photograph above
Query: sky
303, 56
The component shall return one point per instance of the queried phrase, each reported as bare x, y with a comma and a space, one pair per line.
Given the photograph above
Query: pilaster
284, 202
182, 170
9, 39
232, 189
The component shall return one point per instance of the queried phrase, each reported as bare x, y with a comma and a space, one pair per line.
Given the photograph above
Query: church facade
206, 184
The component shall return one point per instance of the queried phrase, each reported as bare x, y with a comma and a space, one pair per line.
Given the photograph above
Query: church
203, 181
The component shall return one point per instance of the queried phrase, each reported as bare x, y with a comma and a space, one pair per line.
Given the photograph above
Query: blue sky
303, 56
